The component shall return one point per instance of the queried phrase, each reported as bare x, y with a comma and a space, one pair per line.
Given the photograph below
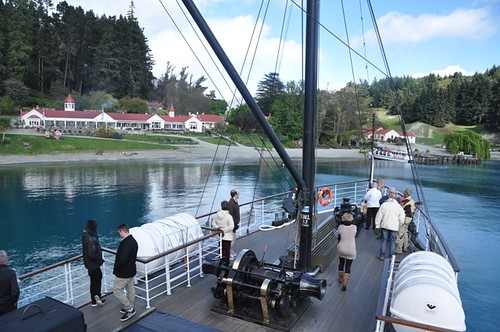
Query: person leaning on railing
9, 289
408, 205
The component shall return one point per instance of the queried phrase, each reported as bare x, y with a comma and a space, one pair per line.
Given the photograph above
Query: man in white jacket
390, 217
372, 199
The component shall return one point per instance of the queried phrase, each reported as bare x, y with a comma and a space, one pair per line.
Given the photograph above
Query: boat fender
325, 192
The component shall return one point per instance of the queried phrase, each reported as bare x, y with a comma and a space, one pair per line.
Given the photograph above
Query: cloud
233, 34
399, 28
448, 71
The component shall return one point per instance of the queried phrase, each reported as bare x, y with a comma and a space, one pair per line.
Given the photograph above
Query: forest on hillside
47, 52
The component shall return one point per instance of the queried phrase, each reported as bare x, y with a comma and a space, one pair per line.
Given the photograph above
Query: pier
446, 159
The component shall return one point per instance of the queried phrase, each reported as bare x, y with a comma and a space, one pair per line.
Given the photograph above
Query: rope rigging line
249, 44
356, 94
206, 184
416, 177
364, 41
282, 40
341, 41
192, 50
274, 160
216, 86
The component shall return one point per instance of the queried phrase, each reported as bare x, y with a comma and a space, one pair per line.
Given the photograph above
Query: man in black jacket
234, 211
9, 289
124, 271
92, 259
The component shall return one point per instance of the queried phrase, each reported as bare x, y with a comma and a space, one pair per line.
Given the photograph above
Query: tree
268, 90
182, 91
17, 92
4, 125
217, 106
6, 105
287, 112
134, 105
242, 118
469, 142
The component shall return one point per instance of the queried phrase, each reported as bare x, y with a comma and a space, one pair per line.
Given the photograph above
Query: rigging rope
356, 94
416, 177
191, 49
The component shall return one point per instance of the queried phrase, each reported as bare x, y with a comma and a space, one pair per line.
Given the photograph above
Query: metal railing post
104, 277
70, 281
188, 270
167, 275
146, 281
200, 259
66, 282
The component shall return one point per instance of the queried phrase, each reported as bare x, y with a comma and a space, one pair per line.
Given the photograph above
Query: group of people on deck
227, 220
387, 215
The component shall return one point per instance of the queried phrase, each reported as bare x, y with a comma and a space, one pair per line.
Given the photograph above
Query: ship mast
305, 183
308, 212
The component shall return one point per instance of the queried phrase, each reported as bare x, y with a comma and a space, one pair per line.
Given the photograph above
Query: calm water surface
45, 207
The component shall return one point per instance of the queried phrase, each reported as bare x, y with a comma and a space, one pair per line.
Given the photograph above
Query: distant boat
391, 155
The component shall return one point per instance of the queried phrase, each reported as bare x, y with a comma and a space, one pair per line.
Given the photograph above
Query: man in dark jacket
234, 211
9, 289
124, 271
92, 258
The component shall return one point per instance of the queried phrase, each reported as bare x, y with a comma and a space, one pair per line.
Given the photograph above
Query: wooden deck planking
353, 310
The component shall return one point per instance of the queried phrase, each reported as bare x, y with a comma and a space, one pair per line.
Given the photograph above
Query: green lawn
35, 144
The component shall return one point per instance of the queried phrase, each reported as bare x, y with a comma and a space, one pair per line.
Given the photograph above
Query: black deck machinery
268, 294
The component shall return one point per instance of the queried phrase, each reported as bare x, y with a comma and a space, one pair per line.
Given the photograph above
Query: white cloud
450, 70
233, 34
461, 23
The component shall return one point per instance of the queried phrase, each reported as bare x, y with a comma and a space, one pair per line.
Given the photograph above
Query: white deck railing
68, 281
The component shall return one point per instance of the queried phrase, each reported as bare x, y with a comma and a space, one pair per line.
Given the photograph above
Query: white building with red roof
383, 135
90, 120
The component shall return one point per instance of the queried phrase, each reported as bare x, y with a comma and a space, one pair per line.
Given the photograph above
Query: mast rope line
330, 32
192, 50
392, 84
355, 85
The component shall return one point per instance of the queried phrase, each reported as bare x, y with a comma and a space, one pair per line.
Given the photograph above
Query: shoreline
199, 153
202, 152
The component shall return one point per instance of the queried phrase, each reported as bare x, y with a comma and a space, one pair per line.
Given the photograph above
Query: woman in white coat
224, 222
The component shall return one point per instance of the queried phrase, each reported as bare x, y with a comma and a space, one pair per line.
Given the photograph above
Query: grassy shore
38, 144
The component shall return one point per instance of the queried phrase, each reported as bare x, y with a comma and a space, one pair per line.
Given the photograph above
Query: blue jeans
391, 235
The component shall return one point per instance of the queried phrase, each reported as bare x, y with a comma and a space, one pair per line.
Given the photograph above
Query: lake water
45, 207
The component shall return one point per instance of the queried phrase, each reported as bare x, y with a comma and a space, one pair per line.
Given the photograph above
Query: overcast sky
419, 37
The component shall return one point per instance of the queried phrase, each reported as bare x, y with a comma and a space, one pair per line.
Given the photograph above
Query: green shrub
107, 133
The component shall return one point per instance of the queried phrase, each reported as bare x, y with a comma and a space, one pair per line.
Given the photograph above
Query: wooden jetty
431, 159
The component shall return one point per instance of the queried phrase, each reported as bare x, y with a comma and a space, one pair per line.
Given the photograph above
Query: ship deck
352, 310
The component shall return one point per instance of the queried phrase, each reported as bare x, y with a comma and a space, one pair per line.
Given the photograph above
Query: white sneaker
98, 301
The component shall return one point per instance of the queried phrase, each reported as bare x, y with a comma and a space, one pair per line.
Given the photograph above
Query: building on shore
71, 119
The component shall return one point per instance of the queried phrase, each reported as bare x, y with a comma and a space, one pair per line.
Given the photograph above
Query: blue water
45, 207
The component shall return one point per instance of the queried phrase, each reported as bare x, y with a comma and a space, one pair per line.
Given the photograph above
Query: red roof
178, 118
130, 116
69, 99
66, 114
126, 116
209, 118
155, 104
